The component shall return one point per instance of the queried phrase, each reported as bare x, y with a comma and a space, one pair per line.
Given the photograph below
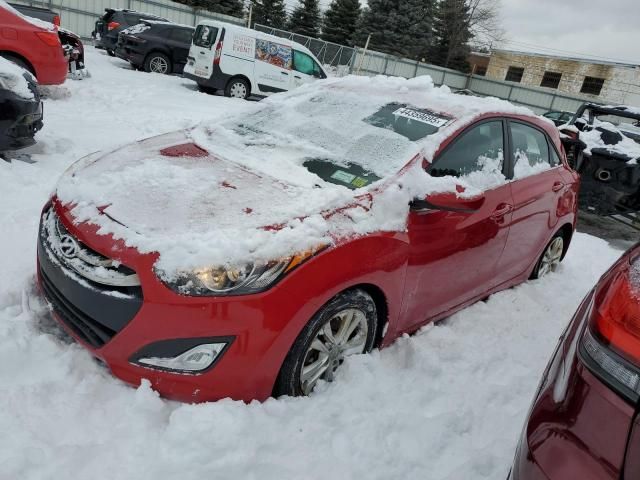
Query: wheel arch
8, 54
243, 77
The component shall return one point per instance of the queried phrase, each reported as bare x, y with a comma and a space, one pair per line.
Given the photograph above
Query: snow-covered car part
603, 145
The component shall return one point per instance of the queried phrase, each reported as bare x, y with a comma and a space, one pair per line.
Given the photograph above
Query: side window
530, 150
303, 63
477, 152
205, 36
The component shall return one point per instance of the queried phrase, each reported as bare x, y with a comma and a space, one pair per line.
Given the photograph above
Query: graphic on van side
273, 53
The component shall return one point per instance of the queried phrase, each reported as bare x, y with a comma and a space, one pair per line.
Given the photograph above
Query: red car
33, 44
249, 257
583, 422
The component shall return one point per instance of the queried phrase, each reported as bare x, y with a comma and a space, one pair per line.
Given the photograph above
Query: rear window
412, 123
205, 36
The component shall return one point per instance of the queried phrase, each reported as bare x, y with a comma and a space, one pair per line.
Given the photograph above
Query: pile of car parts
603, 145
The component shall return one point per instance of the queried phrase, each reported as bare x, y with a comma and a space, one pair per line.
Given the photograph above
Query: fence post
386, 64
510, 92
195, 16
415, 72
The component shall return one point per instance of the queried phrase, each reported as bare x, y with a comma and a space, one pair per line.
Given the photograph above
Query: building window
592, 85
480, 70
514, 74
551, 79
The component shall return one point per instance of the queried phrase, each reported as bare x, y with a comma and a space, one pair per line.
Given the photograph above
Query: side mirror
448, 201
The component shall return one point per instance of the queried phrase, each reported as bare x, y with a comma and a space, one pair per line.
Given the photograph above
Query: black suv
113, 22
155, 46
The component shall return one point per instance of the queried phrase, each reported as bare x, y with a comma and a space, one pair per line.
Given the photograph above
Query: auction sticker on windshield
424, 116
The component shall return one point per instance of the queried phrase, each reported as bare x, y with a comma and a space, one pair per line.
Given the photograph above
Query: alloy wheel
158, 65
342, 335
552, 256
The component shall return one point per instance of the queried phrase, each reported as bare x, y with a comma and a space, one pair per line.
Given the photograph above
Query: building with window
596, 80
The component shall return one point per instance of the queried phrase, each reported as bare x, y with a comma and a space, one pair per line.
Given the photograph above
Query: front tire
111, 53
345, 326
237, 88
157, 62
550, 258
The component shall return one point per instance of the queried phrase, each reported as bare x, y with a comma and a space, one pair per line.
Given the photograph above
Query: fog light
195, 359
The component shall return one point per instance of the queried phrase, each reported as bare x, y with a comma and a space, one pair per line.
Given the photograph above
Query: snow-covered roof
33, 21
12, 76
213, 209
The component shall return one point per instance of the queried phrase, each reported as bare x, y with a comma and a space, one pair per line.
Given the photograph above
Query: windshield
331, 129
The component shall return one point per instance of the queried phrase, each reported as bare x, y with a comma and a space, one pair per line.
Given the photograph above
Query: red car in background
584, 420
330, 220
33, 44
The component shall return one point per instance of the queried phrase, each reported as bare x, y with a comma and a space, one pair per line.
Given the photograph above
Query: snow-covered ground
447, 403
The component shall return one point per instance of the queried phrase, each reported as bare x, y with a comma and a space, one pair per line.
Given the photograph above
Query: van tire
157, 62
237, 88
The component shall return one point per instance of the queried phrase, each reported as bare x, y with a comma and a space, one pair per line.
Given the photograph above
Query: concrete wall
622, 83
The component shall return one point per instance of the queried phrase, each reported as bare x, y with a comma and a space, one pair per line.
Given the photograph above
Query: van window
273, 53
205, 36
303, 63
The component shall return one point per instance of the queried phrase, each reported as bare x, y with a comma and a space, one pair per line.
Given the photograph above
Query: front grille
87, 329
94, 296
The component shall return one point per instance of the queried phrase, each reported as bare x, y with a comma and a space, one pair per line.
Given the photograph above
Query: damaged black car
603, 145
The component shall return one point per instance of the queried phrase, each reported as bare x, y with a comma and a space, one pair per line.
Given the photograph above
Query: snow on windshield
208, 211
12, 78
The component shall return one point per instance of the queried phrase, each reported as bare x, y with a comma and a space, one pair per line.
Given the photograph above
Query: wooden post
364, 53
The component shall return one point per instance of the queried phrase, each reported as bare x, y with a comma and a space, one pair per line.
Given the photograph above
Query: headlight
236, 280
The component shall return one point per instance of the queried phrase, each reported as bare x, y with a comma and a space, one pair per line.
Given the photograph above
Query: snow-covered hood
166, 194
16, 79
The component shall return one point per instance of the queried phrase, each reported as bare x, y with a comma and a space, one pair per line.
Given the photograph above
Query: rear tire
157, 62
237, 88
343, 327
111, 53
550, 258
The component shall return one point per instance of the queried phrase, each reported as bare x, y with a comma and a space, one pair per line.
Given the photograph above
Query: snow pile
201, 212
445, 404
13, 78
33, 21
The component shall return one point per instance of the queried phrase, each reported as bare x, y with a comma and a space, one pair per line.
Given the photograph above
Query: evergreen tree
398, 27
340, 21
305, 19
451, 29
269, 12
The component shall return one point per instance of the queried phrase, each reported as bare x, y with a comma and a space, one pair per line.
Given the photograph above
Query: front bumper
255, 326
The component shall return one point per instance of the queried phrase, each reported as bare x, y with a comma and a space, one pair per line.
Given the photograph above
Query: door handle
501, 211
557, 186
296, 76
284, 73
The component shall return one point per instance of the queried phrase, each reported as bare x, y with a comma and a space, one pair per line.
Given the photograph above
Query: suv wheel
343, 327
237, 88
157, 62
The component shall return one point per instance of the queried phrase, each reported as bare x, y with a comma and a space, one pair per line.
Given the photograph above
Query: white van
245, 62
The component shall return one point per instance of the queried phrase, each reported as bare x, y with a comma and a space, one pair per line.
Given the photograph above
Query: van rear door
203, 51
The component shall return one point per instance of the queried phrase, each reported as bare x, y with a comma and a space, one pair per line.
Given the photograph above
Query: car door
454, 254
305, 69
202, 53
537, 187
272, 68
179, 42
